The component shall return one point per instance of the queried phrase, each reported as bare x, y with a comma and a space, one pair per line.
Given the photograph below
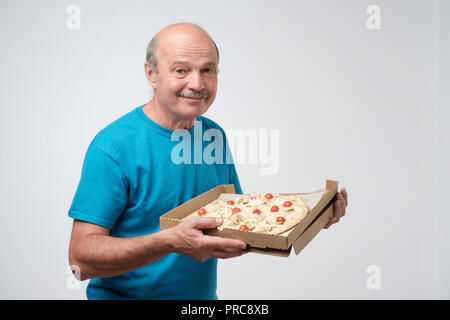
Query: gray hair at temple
152, 50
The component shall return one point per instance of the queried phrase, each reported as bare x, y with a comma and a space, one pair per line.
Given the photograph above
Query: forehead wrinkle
178, 51
201, 59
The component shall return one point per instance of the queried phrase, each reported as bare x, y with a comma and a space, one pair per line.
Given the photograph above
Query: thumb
206, 222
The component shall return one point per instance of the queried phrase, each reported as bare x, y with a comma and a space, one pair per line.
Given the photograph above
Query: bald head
175, 34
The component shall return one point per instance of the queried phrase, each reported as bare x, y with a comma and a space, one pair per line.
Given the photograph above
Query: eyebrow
207, 64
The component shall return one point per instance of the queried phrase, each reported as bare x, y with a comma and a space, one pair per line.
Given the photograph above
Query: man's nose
196, 82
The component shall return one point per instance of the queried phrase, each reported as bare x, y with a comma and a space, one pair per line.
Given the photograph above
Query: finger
330, 222
231, 250
340, 197
223, 254
224, 243
343, 206
337, 210
345, 196
205, 222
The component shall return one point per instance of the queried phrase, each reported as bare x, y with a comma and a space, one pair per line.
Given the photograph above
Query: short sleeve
101, 196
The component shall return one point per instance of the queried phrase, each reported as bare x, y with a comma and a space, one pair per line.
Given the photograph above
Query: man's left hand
339, 208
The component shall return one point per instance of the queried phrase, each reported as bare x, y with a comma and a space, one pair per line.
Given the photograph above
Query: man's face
186, 81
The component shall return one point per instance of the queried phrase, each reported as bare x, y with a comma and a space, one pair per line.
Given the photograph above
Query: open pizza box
321, 210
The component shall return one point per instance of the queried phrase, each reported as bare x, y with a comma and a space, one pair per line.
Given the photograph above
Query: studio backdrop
354, 91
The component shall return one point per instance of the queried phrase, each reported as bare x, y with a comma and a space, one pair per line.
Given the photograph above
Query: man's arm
97, 255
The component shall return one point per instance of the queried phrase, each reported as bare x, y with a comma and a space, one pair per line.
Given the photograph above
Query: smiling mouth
191, 98
193, 95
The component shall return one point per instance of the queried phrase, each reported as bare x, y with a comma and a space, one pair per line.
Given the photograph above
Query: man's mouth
190, 98
194, 96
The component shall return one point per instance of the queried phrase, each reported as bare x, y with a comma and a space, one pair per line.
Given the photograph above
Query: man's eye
180, 71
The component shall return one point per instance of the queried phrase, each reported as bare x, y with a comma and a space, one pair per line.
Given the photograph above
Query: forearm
102, 256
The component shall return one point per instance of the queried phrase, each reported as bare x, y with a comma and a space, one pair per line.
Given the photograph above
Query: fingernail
219, 220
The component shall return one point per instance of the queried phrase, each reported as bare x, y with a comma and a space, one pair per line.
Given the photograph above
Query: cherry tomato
201, 212
243, 227
257, 211
236, 210
274, 209
287, 204
230, 202
269, 196
280, 220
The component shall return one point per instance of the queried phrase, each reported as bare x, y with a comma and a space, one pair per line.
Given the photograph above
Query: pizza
257, 212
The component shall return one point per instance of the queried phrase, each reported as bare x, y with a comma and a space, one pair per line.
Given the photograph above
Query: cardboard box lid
331, 190
312, 230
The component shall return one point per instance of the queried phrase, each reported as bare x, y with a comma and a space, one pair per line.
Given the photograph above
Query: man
129, 180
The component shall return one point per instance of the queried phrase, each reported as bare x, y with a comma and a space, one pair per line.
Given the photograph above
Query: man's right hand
188, 239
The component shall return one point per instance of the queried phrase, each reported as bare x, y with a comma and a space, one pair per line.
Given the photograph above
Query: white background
369, 108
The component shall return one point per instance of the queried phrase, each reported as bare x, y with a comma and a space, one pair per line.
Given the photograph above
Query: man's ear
150, 74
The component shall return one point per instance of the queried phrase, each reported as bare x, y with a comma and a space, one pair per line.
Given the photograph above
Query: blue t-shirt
128, 180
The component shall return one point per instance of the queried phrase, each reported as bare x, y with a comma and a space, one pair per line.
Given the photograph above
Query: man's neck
164, 118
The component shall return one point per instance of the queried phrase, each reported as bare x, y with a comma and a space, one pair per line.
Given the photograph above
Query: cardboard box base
269, 244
